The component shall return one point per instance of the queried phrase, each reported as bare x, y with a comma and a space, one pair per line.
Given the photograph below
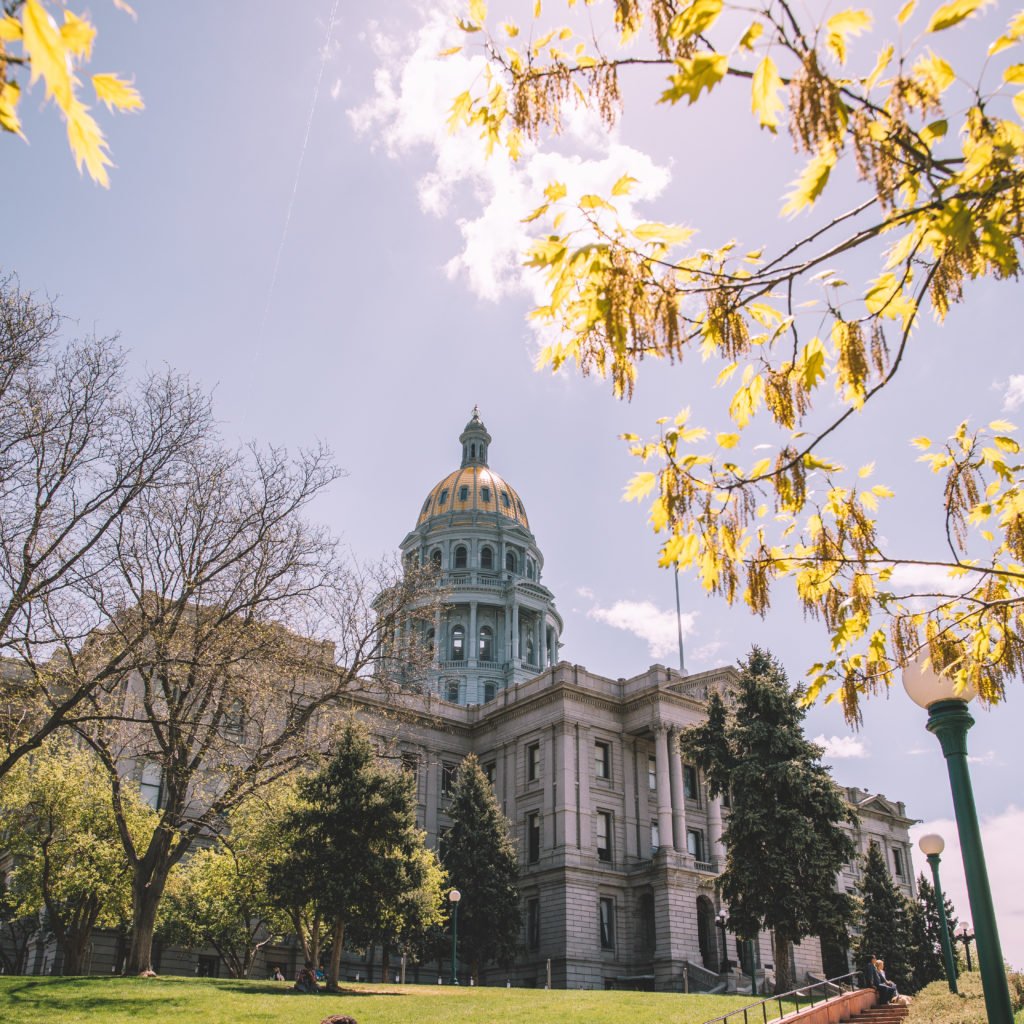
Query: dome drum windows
435, 558
461, 560
511, 562
458, 643
486, 558
486, 643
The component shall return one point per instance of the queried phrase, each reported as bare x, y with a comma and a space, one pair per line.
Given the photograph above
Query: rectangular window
485, 493
490, 770
463, 494
532, 838
151, 784
606, 917
655, 837
690, 781
897, 861
444, 497
603, 760
652, 774
410, 762
727, 799
533, 924
448, 771
695, 843
533, 762
604, 835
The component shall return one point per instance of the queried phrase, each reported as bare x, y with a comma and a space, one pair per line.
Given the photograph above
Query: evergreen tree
354, 852
784, 836
926, 941
480, 858
885, 921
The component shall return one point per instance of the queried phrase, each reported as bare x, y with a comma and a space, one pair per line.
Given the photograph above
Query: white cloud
708, 653
1003, 838
1013, 396
413, 94
840, 747
585, 592
648, 622
930, 579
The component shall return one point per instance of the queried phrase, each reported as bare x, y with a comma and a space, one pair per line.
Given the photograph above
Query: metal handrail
796, 994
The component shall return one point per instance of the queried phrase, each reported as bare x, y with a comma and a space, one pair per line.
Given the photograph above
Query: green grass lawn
935, 1004
32, 1000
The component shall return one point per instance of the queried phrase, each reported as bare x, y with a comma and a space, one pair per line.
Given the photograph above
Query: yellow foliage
843, 25
765, 89
116, 93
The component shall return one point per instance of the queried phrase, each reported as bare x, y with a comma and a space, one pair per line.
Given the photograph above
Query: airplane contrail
298, 169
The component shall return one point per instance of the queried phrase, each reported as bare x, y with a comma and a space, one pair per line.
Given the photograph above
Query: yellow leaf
1002, 426
1018, 105
511, 29
624, 185
765, 88
87, 143
477, 11
759, 468
555, 191
47, 53
886, 298
906, 11
700, 72
451, 50
1014, 74
811, 183
922, 442
934, 71
536, 8
727, 440
751, 36
695, 18
953, 13
78, 35
843, 25
10, 29
592, 202
9, 96
655, 231
640, 486
866, 470
116, 93
881, 63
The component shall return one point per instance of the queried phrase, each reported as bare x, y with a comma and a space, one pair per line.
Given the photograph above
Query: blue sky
398, 303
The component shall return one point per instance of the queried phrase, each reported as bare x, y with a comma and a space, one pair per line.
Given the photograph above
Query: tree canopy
910, 163
785, 838
34, 44
885, 923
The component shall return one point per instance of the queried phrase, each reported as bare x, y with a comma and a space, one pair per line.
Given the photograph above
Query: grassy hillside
201, 1001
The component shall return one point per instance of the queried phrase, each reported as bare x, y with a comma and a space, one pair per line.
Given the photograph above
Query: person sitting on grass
305, 980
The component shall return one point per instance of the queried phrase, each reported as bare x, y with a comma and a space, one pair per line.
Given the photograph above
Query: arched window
472, 451
490, 690
510, 561
529, 568
460, 557
486, 643
435, 558
530, 650
486, 558
458, 643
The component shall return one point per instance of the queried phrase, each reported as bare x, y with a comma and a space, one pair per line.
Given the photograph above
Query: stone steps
880, 1015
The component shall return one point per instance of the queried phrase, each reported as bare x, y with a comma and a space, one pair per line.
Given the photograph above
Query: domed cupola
475, 440
499, 625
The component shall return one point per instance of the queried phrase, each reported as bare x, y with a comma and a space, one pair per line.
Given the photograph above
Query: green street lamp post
453, 897
966, 936
949, 720
932, 846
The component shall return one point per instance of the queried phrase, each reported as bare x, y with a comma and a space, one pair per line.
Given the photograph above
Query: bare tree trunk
147, 889
337, 941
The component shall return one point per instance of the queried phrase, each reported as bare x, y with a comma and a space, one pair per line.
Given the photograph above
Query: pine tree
480, 859
784, 837
354, 851
885, 921
926, 941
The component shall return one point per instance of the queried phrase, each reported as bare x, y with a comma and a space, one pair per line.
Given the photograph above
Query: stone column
541, 644
664, 787
678, 798
473, 645
515, 630
717, 849
436, 657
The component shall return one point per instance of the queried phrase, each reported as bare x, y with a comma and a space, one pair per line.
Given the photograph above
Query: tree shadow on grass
53, 993
272, 989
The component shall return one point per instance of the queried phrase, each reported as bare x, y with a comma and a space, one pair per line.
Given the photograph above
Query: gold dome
474, 488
